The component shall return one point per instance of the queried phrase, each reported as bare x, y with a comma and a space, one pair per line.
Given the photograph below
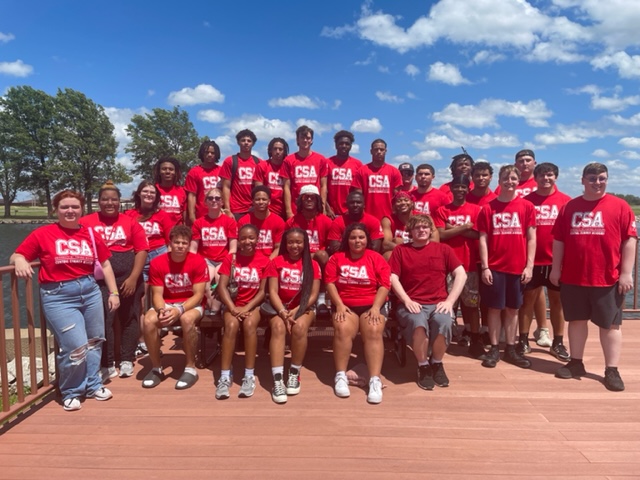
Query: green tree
12, 164
162, 133
85, 145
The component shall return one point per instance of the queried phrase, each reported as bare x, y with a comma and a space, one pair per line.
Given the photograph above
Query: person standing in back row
237, 174
342, 168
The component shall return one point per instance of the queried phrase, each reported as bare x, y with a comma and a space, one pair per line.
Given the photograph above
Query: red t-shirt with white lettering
525, 187
398, 229
199, 181
466, 249
592, 233
213, 235
358, 280
303, 171
340, 224
481, 201
248, 273
446, 189
317, 228
378, 185
178, 278
270, 230
423, 271
121, 233
157, 227
64, 253
289, 275
240, 197
339, 182
269, 174
506, 225
429, 202
547, 210
173, 201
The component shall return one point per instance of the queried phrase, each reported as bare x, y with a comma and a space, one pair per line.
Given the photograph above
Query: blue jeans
74, 313
150, 256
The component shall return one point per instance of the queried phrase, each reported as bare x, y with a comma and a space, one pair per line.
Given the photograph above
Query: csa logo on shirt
170, 202
587, 223
212, 234
506, 223
354, 274
210, 182
341, 176
177, 281
274, 179
305, 171
459, 219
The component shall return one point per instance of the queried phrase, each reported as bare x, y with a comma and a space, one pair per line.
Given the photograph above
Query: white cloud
16, 69
203, 93
264, 128
487, 57
383, 69
411, 95
427, 156
336, 104
615, 103
600, 153
411, 70
630, 142
628, 66
151, 93
446, 73
294, 101
631, 155
121, 118
318, 127
6, 37
568, 134
211, 116
227, 144
558, 52
452, 137
534, 113
367, 125
337, 32
367, 61
632, 121
388, 97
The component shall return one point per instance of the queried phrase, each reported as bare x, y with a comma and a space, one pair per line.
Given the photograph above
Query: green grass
26, 213
13, 398
636, 209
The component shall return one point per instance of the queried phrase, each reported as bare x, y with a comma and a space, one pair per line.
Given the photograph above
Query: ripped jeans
74, 313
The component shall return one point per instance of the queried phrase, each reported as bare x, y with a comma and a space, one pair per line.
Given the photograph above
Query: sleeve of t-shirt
531, 214
156, 275
358, 179
271, 270
396, 178
324, 167
558, 227
191, 182
225, 268
258, 173
103, 251
331, 270
225, 170
317, 273
629, 228
395, 261
31, 246
375, 228
139, 239
196, 234
334, 231
200, 270
439, 218
383, 272
483, 220
232, 228
284, 170
167, 225
451, 259
278, 231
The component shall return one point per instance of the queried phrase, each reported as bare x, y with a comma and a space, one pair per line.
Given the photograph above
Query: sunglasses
213, 199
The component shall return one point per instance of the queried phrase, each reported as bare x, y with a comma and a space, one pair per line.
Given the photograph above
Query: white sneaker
102, 394
126, 369
341, 387
375, 390
108, 372
71, 404
542, 337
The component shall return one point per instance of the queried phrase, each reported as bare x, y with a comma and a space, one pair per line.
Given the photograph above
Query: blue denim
150, 256
74, 313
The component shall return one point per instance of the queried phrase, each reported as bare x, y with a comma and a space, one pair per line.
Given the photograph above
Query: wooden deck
503, 422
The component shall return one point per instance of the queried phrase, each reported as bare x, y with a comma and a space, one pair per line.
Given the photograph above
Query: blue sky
558, 76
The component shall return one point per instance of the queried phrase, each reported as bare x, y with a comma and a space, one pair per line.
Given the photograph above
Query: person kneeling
177, 281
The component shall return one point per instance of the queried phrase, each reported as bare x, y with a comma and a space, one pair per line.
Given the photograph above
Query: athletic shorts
506, 291
172, 305
360, 310
601, 305
434, 323
213, 263
540, 278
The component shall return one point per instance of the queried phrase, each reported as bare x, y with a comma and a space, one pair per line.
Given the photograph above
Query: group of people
280, 238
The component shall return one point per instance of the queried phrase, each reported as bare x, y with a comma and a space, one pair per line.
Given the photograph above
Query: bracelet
282, 310
485, 268
114, 294
181, 308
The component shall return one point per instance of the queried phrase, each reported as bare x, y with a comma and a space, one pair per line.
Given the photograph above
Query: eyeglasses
308, 197
406, 173
596, 179
213, 199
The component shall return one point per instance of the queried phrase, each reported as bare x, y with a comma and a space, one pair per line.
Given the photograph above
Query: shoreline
35, 221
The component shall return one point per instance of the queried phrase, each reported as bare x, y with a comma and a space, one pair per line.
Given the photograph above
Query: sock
341, 373
225, 373
557, 340
295, 368
191, 370
159, 369
423, 364
248, 372
433, 360
276, 370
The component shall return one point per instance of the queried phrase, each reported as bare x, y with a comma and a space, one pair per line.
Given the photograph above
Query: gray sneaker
108, 372
293, 383
222, 390
126, 369
248, 387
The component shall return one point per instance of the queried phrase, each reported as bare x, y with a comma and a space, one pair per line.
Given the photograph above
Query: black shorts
360, 310
506, 291
540, 278
601, 305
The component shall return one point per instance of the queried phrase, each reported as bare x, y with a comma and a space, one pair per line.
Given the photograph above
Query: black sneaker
612, 379
573, 369
476, 349
491, 358
523, 347
465, 339
512, 356
439, 376
560, 352
425, 377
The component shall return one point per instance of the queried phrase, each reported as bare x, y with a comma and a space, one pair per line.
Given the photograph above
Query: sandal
186, 380
153, 379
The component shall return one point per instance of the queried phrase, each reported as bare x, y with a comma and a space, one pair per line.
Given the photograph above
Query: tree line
52, 142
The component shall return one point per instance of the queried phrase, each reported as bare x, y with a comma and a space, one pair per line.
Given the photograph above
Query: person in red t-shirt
167, 175
214, 237
481, 175
426, 311
594, 249
407, 172
355, 214
461, 164
458, 227
525, 163
341, 170
129, 247
294, 284
427, 199
178, 281
548, 201
237, 183
270, 225
269, 173
246, 270
70, 298
507, 227
378, 181
303, 168
358, 281
202, 178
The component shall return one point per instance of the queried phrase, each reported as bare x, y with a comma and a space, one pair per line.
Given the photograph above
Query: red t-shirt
199, 181
64, 253
240, 198
358, 280
423, 271
269, 174
340, 223
466, 249
317, 228
429, 202
480, 201
525, 187
178, 278
506, 224
398, 230
303, 171
157, 227
121, 233
173, 201
547, 211
378, 185
213, 235
339, 182
592, 232
248, 273
446, 189
289, 275
270, 231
